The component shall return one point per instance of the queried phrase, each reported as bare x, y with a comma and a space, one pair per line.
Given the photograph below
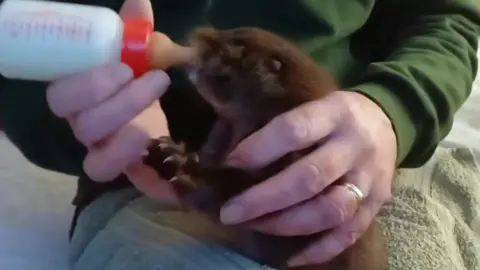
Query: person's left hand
357, 145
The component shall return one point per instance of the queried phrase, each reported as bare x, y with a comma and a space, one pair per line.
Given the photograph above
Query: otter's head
235, 73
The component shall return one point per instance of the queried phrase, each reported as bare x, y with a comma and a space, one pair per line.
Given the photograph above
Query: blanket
433, 223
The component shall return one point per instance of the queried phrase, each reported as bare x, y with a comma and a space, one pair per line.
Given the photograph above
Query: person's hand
357, 145
115, 116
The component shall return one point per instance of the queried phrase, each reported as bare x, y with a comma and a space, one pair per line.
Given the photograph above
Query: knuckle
102, 83
344, 102
130, 144
53, 100
57, 97
83, 129
90, 167
349, 238
369, 144
311, 180
136, 136
328, 168
366, 137
105, 80
335, 212
295, 128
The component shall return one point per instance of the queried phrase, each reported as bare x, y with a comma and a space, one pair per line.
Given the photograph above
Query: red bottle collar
136, 35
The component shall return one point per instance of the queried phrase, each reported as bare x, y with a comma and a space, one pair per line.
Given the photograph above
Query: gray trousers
433, 223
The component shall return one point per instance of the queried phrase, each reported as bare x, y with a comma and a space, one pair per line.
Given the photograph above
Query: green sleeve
426, 72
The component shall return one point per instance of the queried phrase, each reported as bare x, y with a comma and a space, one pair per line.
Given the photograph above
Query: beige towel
433, 222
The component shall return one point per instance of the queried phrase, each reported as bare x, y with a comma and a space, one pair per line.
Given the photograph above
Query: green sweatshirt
416, 59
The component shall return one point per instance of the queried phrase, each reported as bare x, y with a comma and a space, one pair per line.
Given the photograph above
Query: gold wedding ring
355, 190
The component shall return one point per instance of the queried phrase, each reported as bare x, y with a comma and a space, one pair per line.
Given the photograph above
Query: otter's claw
172, 162
162, 145
169, 159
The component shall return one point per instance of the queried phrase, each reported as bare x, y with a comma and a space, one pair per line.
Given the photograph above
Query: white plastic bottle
45, 40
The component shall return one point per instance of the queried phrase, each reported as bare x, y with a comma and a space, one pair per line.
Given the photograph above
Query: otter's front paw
173, 162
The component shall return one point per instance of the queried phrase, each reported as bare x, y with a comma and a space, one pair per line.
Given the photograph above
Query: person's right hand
115, 116
105, 108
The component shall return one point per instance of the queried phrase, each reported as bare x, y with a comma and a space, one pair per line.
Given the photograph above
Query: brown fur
249, 76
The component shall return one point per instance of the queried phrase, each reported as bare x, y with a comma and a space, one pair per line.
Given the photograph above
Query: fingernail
296, 261
234, 161
232, 214
159, 78
124, 73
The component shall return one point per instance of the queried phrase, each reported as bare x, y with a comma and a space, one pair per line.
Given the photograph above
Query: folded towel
433, 223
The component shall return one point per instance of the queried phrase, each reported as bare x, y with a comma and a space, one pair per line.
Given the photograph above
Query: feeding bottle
45, 40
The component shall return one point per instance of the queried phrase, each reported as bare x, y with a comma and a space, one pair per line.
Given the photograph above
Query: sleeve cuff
393, 107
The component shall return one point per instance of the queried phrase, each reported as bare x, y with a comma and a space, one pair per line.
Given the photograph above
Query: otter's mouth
206, 90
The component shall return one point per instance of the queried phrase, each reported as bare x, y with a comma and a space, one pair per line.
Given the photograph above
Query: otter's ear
236, 51
207, 36
237, 47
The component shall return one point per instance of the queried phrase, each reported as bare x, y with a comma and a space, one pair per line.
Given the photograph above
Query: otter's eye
274, 63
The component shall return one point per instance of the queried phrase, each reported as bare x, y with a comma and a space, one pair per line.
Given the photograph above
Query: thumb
137, 9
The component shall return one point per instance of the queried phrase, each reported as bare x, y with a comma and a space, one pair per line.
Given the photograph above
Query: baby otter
249, 76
